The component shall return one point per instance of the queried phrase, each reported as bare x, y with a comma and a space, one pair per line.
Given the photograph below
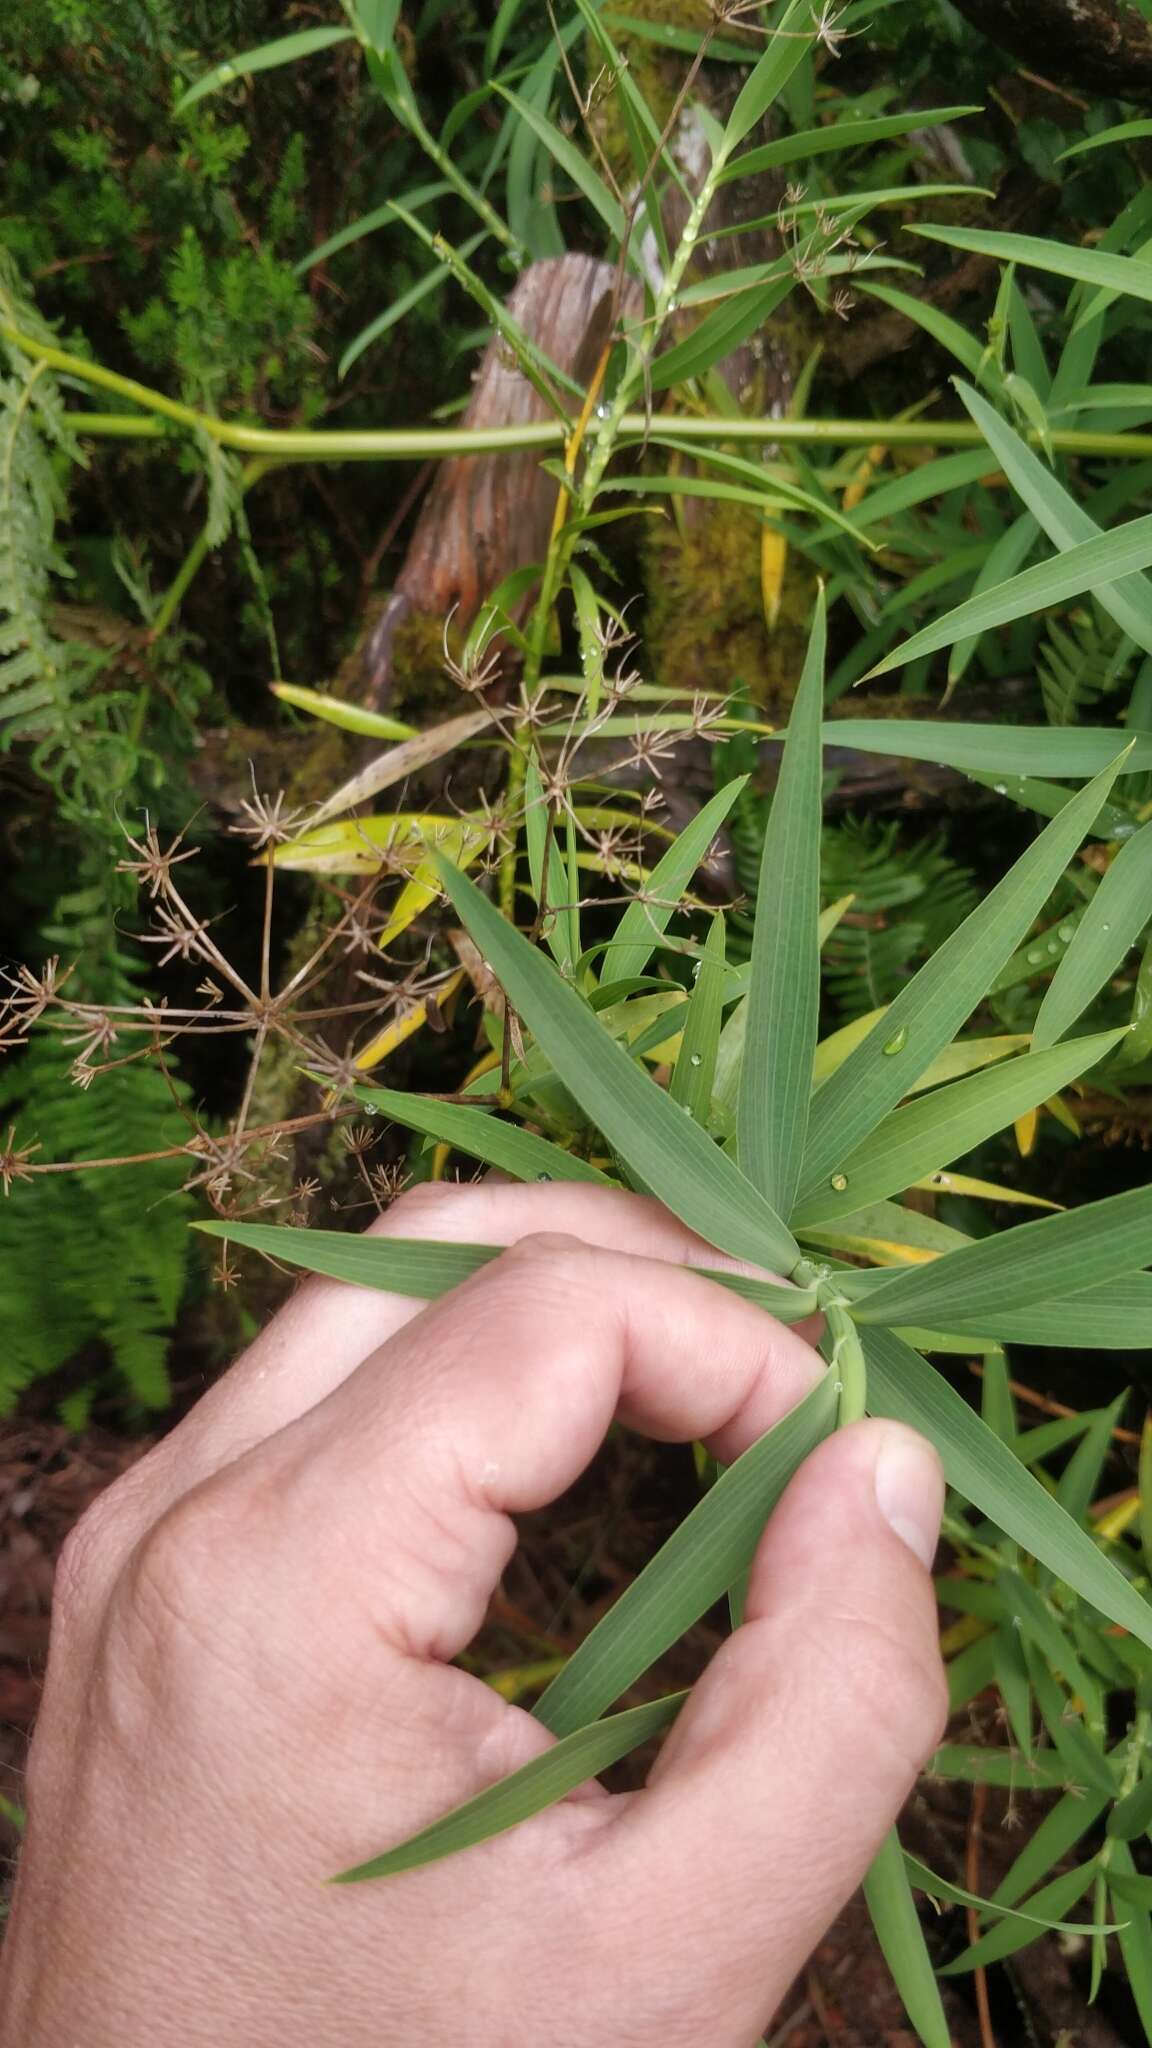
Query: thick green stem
847, 1362
411, 444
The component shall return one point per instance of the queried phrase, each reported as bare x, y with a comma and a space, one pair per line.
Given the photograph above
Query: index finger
328, 1328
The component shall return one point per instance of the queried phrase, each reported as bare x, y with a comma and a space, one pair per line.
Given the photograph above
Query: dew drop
1066, 932
543, 1176
603, 410
1001, 788
897, 1042
696, 970
673, 305
696, 1059
1105, 927
1123, 831
839, 1182
1054, 945
1034, 956
225, 72
940, 1180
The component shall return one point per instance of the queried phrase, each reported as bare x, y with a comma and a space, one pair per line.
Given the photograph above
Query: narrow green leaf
838, 135
425, 1269
1059, 1831
647, 918
481, 1135
784, 994
1132, 1815
1063, 520
959, 341
972, 1764
1112, 923
1135, 1941
1117, 1317
1051, 1902
726, 328
904, 1386
1086, 567
700, 1560
695, 1069
1124, 131
572, 161
525, 1792
1080, 1478
892, 1907
929, 1010
664, 1149
1085, 266
926, 1880
285, 50
999, 750
937, 1128
789, 40
1032, 1262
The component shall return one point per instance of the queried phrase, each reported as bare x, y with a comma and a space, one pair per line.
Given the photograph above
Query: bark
1102, 46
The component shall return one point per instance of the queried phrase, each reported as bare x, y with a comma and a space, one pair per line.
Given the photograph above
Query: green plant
803, 1177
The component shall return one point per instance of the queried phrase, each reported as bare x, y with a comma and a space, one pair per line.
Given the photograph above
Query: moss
705, 625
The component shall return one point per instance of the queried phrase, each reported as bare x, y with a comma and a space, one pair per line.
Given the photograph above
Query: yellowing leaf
982, 1190
773, 567
374, 725
1025, 1128
461, 843
404, 1026
358, 846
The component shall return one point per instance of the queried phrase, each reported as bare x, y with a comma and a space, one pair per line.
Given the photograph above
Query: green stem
411, 444
847, 1362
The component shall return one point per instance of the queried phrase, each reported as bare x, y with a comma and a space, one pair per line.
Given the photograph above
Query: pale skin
251, 1688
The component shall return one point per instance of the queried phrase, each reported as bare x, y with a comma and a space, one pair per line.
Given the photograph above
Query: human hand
250, 1690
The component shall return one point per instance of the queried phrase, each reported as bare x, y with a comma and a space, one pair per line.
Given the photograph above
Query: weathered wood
1096, 45
486, 515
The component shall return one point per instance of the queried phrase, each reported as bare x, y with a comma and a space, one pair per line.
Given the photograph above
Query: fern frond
1080, 662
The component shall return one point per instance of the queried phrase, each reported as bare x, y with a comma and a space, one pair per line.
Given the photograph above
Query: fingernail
910, 1492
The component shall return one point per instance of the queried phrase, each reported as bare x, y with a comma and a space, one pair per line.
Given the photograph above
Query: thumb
802, 1740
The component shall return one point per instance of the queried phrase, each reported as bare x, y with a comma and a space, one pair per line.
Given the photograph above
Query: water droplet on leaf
602, 410
1034, 956
897, 1042
1001, 788
543, 1176
1066, 932
696, 1059
1053, 945
839, 1182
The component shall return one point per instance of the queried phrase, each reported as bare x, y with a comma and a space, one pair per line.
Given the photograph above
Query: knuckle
91, 1552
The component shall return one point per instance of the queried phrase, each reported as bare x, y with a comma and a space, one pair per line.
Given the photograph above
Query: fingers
489, 1403
801, 1742
328, 1328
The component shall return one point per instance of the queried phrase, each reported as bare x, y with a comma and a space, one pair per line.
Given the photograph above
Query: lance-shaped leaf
1056, 510
646, 919
784, 994
267, 57
1112, 923
789, 40
695, 1069
424, 1268
1052, 1901
1062, 259
893, 1913
930, 1009
482, 1135
663, 1148
700, 1560
904, 1386
572, 161
1114, 1317
1034, 1262
928, 1133
529, 1790
838, 135
1001, 751
1089, 566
